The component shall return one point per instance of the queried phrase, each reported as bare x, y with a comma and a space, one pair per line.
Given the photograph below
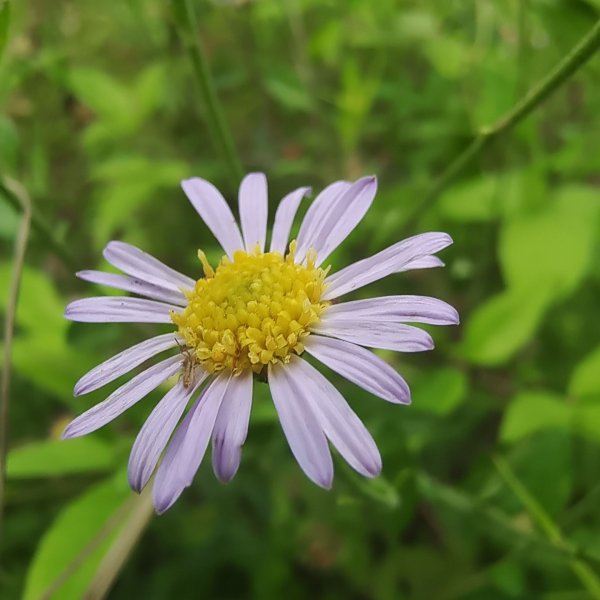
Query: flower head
258, 312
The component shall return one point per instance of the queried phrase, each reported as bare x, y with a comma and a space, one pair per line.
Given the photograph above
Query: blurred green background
490, 487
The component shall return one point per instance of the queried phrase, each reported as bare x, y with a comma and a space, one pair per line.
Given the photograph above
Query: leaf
4, 23
553, 247
50, 458
585, 380
503, 324
587, 421
289, 93
475, 200
77, 525
529, 412
440, 391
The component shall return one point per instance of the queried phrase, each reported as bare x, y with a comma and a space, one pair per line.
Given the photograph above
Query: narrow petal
123, 398
215, 212
119, 309
391, 260
345, 212
339, 422
154, 435
141, 265
423, 262
188, 446
360, 366
231, 427
304, 434
395, 309
123, 362
254, 205
375, 334
284, 218
135, 286
316, 213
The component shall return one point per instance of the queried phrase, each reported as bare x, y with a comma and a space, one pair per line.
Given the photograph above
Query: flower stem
215, 118
578, 56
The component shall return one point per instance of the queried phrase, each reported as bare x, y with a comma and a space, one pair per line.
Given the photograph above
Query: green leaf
74, 528
4, 23
474, 200
503, 324
50, 458
440, 391
587, 421
553, 247
529, 412
291, 94
585, 380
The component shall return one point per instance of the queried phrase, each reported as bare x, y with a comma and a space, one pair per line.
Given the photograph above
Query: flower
258, 312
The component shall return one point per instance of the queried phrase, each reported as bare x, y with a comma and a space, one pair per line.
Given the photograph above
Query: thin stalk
215, 117
566, 68
535, 510
9, 325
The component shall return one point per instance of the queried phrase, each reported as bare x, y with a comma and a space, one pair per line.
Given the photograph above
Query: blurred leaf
378, 489
290, 93
473, 200
587, 421
585, 380
529, 412
448, 55
50, 458
4, 23
440, 391
503, 324
553, 247
67, 537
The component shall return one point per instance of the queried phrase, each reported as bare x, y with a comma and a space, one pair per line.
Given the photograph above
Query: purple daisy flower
258, 312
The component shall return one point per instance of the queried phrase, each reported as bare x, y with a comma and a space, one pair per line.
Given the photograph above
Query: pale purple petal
320, 207
188, 446
391, 260
339, 422
231, 427
119, 309
141, 265
395, 309
158, 428
215, 212
123, 398
423, 262
345, 212
374, 334
135, 286
302, 430
284, 218
254, 206
359, 366
123, 362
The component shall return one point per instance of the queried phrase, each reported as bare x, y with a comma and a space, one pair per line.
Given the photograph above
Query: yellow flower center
251, 311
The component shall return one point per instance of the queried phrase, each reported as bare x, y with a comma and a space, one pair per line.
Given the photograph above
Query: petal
344, 214
375, 334
119, 309
133, 285
316, 213
123, 362
123, 398
139, 264
391, 260
284, 218
423, 262
302, 430
360, 366
254, 206
215, 212
188, 446
395, 309
339, 422
231, 427
155, 433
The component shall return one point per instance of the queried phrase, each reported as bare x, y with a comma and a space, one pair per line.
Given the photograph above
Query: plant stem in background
215, 117
567, 67
9, 324
537, 513
38, 224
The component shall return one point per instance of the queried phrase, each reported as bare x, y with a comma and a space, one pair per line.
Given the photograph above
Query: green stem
38, 224
568, 66
535, 510
215, 118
